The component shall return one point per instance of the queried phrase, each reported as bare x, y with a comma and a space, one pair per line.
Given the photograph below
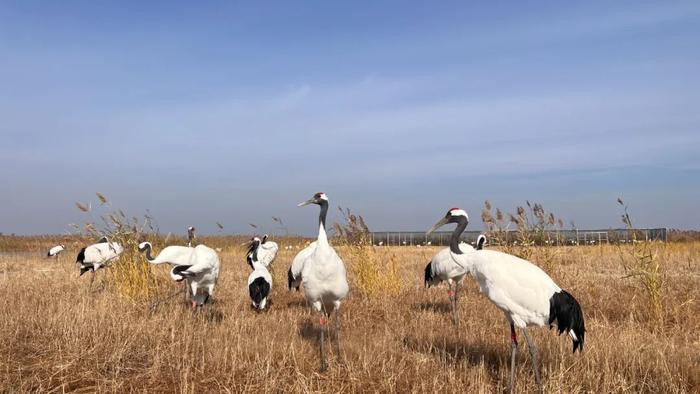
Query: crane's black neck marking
147, 249
254, 256
322, 215
454, 240
253, 253
480, 241
251, 248
148, 253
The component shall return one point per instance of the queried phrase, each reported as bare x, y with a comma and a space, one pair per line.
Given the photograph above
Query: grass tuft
373, 273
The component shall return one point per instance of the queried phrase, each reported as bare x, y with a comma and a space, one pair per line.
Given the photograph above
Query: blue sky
235, 112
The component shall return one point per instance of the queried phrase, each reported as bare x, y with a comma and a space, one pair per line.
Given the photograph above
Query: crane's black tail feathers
178, 273
85, 268
81, 256
291, 280
428, 275
564, 308
259, 289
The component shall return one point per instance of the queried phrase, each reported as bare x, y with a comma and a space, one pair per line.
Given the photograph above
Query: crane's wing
267, 252
514, 284
205, 260
300, 258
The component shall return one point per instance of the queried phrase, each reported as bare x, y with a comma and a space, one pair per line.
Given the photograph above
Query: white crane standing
526, 294
442, 267
190, 235
323, 276
294, 272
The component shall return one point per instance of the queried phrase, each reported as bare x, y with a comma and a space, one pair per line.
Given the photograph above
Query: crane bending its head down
524, 292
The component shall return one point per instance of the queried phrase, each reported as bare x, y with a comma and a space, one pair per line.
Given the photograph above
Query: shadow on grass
454, 351
214, 315
297, 303
310, 329
438, 307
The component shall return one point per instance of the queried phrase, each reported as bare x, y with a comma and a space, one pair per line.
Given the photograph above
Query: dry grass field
60, 336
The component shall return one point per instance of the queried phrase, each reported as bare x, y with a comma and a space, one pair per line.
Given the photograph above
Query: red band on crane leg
322, 320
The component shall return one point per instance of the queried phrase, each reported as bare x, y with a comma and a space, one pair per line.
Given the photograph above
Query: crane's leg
93, 279
194, 288
324, 363
456, 307
337, 333
533, 357
451, 294
514, 346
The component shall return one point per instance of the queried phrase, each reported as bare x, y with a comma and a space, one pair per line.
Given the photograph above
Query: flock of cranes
522, 291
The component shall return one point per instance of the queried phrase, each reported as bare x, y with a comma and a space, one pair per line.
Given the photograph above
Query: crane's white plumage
443, 268
323, 275
203, 274
520, 289
260, 280
173, 255
294, 272
56, 250
267, 250
198, 265
524, 292
96, 256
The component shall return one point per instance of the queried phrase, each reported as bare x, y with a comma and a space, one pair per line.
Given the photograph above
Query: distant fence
556, 237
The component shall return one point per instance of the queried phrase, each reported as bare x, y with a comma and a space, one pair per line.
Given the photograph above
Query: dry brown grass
57, 336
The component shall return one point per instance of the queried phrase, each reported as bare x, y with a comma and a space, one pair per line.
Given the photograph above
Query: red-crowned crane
56, 250
323, 276
526, 294
260, 280
267, 250
190, 235
442, 267
96, 256
198, 265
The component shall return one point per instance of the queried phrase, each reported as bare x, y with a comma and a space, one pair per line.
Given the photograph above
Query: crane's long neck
322, 238
256, 265
454, 240
148, 254
254, 255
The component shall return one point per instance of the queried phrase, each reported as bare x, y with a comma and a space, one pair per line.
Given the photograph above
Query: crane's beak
307, 202
437, 225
